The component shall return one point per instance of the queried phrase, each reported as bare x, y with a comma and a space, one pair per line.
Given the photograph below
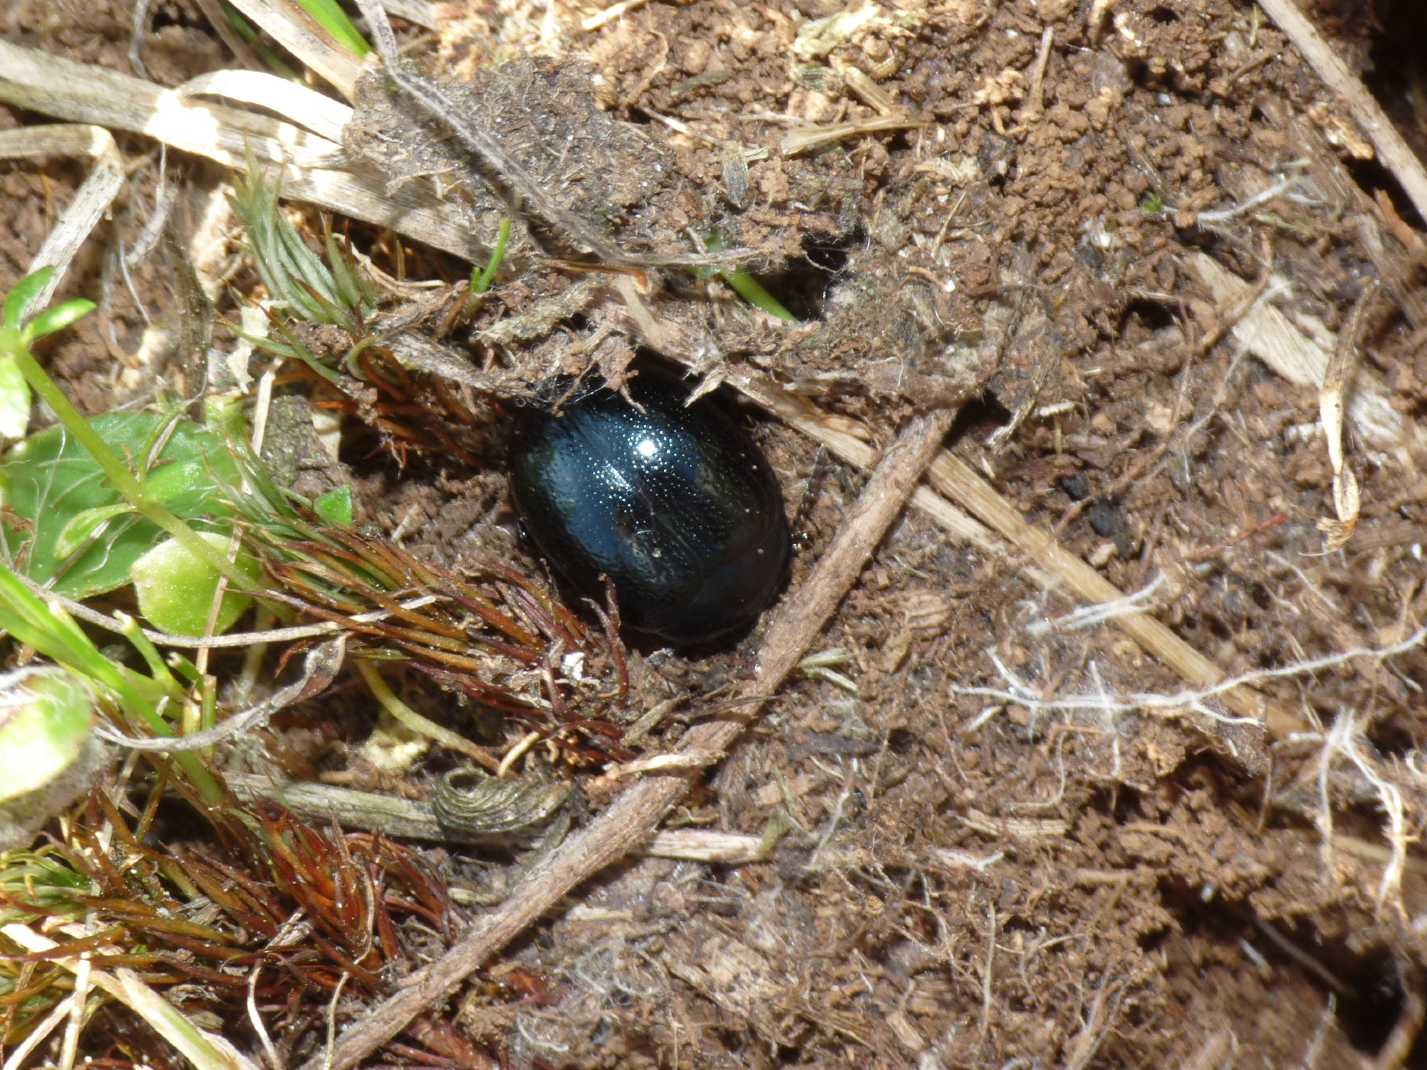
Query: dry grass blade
489, 633
91, 202
319, 905
295, 32
205, 1050
82, 93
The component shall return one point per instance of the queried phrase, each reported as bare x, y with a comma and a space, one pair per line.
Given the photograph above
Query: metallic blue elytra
675, 504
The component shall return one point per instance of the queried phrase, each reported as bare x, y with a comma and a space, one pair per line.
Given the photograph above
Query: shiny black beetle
674, 503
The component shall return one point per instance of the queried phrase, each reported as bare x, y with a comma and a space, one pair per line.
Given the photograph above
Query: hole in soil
171, 15
802, 286
175, 822
1121, 804
1154, 315
1373, 1003
1367, 985
1392, 738
1397, 59
901, 740
1163, 14
978, 418
1373, 176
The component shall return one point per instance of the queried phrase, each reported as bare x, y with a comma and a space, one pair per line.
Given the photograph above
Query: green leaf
14, 399
86, 525
58, 318
335, 507
45, 716
333, 19
176, 589
50, 487
18, 301
481, 281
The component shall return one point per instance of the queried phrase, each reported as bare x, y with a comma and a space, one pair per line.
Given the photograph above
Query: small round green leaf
335, 507
176, 589
45, 716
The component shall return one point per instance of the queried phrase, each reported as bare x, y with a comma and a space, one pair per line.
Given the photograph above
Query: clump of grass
180, 511
488, 632
209, 921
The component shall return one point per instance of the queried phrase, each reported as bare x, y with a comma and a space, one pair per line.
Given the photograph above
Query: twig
1337, 384
1098, 1022
91, 201
986, 973
1035, 97
806, 139
1225, 215
630, 820
1394, 152
414, 819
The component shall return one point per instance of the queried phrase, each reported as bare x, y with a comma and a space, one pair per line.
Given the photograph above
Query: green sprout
744, 284
136, 698
264, 51
481, 280
326, 13
301, 282
334, 507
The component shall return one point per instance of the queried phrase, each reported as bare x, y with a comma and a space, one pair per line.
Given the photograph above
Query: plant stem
415, 722
122, 479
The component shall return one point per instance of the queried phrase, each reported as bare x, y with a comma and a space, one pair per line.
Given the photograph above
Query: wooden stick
1394, 152
956, 490
631, 819
91, 201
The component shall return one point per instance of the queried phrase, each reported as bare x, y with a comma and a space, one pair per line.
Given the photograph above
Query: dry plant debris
1105, 758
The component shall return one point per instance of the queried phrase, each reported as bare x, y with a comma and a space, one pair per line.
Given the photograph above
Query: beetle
673, 502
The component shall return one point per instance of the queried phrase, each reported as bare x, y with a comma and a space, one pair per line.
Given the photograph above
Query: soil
966, 879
